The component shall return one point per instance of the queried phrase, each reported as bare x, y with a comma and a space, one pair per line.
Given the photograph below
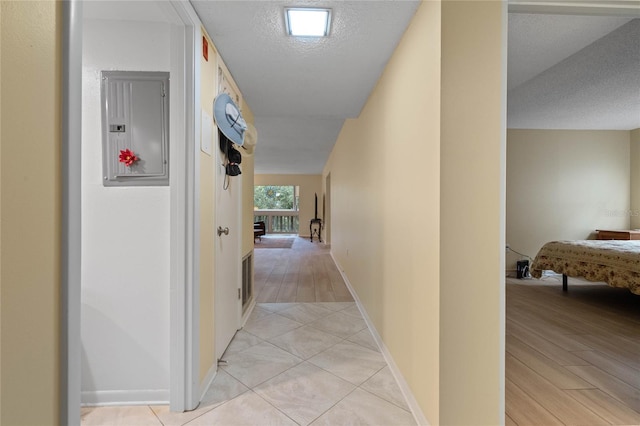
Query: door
228, 237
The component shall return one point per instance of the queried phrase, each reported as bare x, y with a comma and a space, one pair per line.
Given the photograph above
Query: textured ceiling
564, 71
534, 40
302, 89
573, 72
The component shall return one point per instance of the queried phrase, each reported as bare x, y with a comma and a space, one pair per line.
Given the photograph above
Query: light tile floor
292, 364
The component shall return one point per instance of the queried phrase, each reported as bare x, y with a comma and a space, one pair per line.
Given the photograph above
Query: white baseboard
125, 397
417, 413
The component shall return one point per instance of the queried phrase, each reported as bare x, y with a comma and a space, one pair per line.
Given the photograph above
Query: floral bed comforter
615, 262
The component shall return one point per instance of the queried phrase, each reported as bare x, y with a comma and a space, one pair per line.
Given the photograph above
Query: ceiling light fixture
307, 22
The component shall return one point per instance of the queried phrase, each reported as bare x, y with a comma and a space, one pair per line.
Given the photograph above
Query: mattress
615, 262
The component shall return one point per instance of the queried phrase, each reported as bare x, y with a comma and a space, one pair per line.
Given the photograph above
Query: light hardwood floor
304, 273
571, 358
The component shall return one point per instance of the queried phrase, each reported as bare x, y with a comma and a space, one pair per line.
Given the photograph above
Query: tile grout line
342, 340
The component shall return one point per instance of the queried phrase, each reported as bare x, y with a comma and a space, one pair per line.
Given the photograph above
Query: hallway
303, 273
292, 363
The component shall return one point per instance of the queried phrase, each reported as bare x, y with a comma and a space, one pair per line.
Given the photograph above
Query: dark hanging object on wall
233, 156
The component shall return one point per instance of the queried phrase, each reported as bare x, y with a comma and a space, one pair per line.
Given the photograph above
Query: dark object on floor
522, 269
315, 228
259, 229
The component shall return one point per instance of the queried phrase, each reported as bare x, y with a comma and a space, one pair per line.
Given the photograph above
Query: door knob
224, 231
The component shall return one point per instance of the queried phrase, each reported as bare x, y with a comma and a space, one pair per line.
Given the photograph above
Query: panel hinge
239, 294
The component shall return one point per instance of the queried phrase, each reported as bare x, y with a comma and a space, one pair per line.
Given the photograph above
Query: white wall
125, 238
565, 184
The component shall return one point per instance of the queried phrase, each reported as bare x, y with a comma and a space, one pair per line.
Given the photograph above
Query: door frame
185, 218
184, 215
70, 250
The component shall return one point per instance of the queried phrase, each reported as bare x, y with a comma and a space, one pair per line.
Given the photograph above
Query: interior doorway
177, 24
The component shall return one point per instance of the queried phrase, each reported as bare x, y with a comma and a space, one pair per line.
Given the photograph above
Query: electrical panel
135, 128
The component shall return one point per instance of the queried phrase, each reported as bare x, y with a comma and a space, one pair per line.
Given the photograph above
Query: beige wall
565, 184
472, 212
401, 233
30, 212
635, 178
309, 186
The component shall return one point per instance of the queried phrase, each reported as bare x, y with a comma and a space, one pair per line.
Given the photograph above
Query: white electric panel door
135, 128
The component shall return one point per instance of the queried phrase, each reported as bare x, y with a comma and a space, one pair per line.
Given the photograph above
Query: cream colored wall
30, 211
309, 186
635, 178
473, 110
385, 197
407, 237
208, 79
565, 184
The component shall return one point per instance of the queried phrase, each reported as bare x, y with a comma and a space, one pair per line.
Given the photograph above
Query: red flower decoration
127, 157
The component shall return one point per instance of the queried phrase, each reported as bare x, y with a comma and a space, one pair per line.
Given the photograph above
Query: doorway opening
278, 207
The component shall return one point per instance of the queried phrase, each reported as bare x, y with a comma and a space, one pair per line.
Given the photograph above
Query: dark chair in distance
259, 229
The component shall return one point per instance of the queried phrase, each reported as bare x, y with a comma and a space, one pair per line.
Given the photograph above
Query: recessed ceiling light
307, 22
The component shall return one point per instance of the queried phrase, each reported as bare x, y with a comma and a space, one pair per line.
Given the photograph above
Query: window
277, 206
275, 197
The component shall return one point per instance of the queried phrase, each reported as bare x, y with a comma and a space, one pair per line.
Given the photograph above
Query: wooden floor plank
544, 346
524, 410
306, 295
612, 366
605, 345
556, 401
268, 294
609, 384
592, 331
607, 407
565, 341
304, 273
544, 366
508, 421
287, 293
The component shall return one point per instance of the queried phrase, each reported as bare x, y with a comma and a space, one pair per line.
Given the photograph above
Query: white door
228, 237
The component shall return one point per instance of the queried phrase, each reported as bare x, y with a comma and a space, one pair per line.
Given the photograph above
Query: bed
614, 262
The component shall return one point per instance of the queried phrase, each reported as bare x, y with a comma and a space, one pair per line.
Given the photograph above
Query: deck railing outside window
278, 221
